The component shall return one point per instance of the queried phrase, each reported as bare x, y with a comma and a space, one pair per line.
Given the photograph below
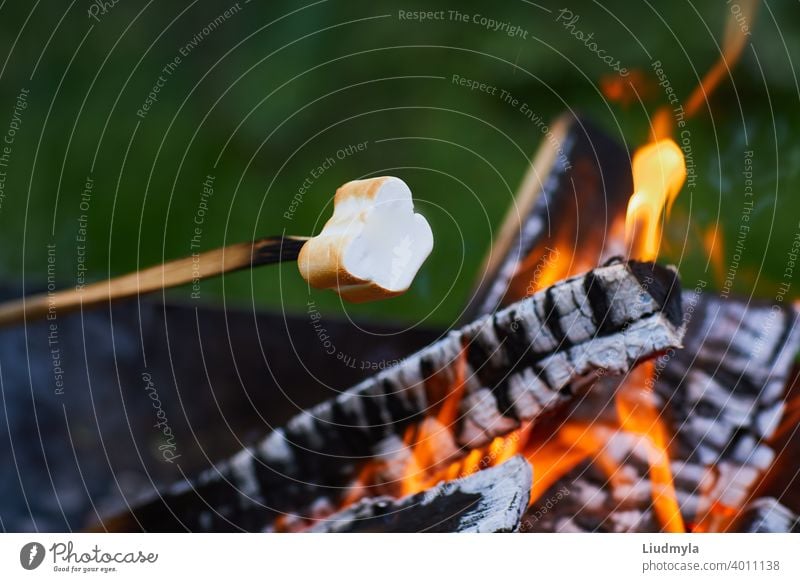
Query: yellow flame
659, 172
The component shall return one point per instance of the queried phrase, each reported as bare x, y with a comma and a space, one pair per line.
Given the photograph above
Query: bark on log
489, 501
521, 362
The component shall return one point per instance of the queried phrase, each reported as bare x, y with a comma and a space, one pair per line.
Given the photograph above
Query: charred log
490, 501
722, 397
521, 363
581, 177
766, 515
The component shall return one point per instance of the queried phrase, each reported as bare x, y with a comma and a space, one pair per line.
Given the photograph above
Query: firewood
521, 363
721, 396
576, 183
766, 515
489, 501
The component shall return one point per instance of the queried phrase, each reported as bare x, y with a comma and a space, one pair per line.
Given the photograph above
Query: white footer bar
389, 557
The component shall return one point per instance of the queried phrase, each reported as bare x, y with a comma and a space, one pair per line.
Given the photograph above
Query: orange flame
422, 469
712, 242
638, 414
553, 459
661, 124
659, 172
737, 29
543, 267
426, 463
717, 519
626, 91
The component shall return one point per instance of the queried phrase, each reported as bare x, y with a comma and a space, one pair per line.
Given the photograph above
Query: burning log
490, 501
608, 492
521, 363
725, 393
766, 515
585, 179
722, 397
735, 368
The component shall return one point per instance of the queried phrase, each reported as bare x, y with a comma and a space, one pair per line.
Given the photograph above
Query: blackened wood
583, 501
766, 515
576, 185
724, 394
522, 363
489, 501
721, 397
220, 377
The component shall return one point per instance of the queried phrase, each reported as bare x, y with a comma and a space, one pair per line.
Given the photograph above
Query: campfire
584, 390
638, 406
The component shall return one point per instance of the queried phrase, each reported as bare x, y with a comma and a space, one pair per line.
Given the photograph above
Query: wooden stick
262, 251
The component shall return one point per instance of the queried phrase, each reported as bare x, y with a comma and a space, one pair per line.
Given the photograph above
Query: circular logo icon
31, 555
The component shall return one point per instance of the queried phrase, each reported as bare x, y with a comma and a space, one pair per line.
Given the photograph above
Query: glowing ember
425, 462
717, 518
423, 468
659, 172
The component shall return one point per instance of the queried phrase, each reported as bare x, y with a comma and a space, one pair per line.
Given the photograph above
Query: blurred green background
277, 87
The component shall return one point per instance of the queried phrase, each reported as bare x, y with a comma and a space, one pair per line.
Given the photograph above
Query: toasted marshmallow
372, 246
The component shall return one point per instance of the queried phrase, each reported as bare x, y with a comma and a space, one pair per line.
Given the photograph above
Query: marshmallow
372, 246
